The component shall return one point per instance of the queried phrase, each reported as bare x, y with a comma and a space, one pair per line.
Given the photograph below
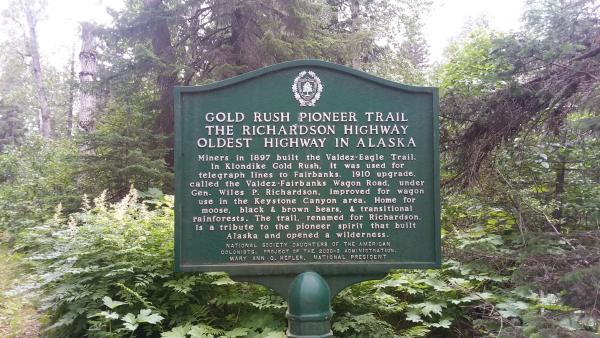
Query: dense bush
106, 271
124, 150
34, 179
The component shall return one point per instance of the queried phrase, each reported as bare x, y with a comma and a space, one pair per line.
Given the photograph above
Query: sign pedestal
309, 307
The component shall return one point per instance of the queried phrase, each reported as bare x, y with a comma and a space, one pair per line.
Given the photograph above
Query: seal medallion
307, 88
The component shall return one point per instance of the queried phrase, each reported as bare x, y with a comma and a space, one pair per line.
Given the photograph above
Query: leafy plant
107, 271
34, 179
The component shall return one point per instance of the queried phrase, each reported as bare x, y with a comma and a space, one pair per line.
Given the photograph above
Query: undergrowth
107, 271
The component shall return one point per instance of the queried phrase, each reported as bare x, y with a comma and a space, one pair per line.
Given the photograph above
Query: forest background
86, 217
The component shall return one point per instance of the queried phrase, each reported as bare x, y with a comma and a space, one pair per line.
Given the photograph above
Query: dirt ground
18, 315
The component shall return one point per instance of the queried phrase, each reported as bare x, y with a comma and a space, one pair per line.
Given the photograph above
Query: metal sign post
309, 307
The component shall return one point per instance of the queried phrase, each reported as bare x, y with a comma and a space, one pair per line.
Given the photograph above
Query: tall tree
200, 41
87, 79
32, 11
41, 95
355, 23
71, 96
385, 36
14, 70
166, 78
540, 75
515, 99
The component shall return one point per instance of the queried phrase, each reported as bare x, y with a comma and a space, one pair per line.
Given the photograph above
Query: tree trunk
557, 122
45, 117
87, 75
355, 26
244, 49
167, 73
238, 25
71, 95
559, 189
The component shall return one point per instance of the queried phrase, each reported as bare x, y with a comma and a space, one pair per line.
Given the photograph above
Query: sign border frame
329, 268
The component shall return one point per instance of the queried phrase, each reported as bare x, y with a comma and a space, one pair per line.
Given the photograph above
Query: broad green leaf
458, 281
111, 304
204, 331
445, 322
275, 334
550, 299
428, 308
437, 284
512, 309
224, 280
237, 332
105, 314
109, 314
146, 316
571, 323
414, 316
476, 296
176, 332
130, 327
129, 318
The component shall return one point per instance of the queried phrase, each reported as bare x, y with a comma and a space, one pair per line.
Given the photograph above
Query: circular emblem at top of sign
307, 88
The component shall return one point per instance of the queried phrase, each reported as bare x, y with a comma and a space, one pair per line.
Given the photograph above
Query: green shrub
107, 271
34, 178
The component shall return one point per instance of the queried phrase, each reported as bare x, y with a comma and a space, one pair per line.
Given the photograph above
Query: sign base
309, 307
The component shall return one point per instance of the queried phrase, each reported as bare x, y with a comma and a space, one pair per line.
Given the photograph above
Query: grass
18, 315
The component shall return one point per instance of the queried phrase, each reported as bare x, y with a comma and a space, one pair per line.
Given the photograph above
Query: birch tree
87, 75
32, 11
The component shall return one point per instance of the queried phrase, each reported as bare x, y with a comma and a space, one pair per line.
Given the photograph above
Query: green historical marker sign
306, 166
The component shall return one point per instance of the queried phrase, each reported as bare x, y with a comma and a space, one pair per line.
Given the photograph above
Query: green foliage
13, 70
107, 271
519, 128
349, 325
89, 254
419, 303
532, 164
527, 83
525, 274
400, 48
12, 128
124, 151
34, 179
204, 331
17, 310
472, 67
